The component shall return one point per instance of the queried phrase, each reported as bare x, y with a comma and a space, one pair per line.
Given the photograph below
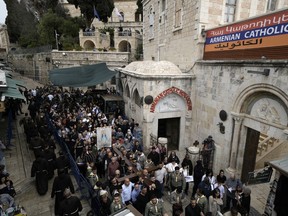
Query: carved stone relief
269, 110
170, 103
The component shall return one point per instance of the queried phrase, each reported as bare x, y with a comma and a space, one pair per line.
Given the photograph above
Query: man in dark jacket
71, 205
187, 164
142, 200
61, 182
193, 209
154, 156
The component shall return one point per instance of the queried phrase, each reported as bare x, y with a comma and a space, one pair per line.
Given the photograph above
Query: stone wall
37, 66
184, 45
219, 85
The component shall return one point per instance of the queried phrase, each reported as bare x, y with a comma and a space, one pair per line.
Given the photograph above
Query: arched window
136, 98
122, 14
127, 91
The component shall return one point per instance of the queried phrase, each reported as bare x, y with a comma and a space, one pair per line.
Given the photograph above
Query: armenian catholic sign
250, 38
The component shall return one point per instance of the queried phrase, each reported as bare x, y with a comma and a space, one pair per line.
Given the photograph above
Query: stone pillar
238, 118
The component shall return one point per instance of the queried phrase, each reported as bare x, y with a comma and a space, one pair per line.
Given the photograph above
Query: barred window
178, 13
230, 9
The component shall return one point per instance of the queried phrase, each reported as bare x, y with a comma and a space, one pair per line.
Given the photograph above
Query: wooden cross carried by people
137, 173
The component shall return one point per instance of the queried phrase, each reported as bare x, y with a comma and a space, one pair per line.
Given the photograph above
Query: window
271, 5
122, 14
137, 99
178, 14
151, 23
230, 8
163, 5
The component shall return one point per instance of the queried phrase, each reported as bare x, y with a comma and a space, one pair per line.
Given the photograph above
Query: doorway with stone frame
260, 120
170, 128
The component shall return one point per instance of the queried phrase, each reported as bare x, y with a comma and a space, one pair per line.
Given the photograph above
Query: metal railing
84, 186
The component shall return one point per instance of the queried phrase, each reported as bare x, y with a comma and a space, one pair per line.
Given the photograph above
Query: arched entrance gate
259, 110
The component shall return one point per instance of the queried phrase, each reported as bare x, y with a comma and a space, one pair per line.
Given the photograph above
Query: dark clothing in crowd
155, 157
40, 170
62, 163
70, 206
61, 182
192, 211
141, 202
198, 173
50, 157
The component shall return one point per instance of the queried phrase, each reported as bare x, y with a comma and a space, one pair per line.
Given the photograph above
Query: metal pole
56, 37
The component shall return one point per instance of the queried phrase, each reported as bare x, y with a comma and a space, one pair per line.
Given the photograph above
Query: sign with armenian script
265, 36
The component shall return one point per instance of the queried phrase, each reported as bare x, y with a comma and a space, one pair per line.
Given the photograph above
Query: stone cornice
249, 63
152, 76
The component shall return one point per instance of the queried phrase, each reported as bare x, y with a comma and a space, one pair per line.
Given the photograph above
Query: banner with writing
262, 32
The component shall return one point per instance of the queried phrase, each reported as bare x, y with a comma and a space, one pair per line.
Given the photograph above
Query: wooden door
250, 153
170, 128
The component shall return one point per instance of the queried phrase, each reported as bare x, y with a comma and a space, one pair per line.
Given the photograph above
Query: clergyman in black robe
61, 182
40, 170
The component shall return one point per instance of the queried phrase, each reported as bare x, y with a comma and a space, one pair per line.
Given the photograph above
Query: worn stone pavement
19, 160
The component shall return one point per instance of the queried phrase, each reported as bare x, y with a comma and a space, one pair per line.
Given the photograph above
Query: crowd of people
124, 173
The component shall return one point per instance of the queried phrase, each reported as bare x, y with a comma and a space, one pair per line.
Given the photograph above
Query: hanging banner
104, 137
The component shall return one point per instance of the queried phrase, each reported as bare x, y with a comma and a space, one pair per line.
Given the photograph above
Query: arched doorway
260, 119
89, 45
124, 46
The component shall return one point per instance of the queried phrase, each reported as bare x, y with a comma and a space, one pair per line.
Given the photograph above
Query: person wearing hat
154, 207
176, 180
105, 203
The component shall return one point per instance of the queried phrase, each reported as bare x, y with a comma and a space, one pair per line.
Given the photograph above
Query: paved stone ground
20, 158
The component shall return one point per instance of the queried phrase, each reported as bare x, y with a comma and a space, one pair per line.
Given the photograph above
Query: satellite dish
223, 115
148, 99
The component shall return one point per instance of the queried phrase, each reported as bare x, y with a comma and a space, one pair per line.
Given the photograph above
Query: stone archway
170, 91
258, 107
124, 46
89, 45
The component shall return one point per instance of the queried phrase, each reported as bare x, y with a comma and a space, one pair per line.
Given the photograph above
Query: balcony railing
88, 33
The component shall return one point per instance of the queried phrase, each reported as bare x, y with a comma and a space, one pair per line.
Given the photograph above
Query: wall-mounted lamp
64, 54
203, 33
266, 72
221, 127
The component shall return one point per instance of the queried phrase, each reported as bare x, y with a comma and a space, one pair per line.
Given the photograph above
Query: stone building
4, 41
126, 25
240, 98
174, 30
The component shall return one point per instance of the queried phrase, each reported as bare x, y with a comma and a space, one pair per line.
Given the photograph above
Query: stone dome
153, 68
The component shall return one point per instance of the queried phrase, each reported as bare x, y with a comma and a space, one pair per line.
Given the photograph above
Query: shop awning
280, 165
12, 83
12, 93
81, 76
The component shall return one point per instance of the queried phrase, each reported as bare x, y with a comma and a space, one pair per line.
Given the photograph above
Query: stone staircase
266, 146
